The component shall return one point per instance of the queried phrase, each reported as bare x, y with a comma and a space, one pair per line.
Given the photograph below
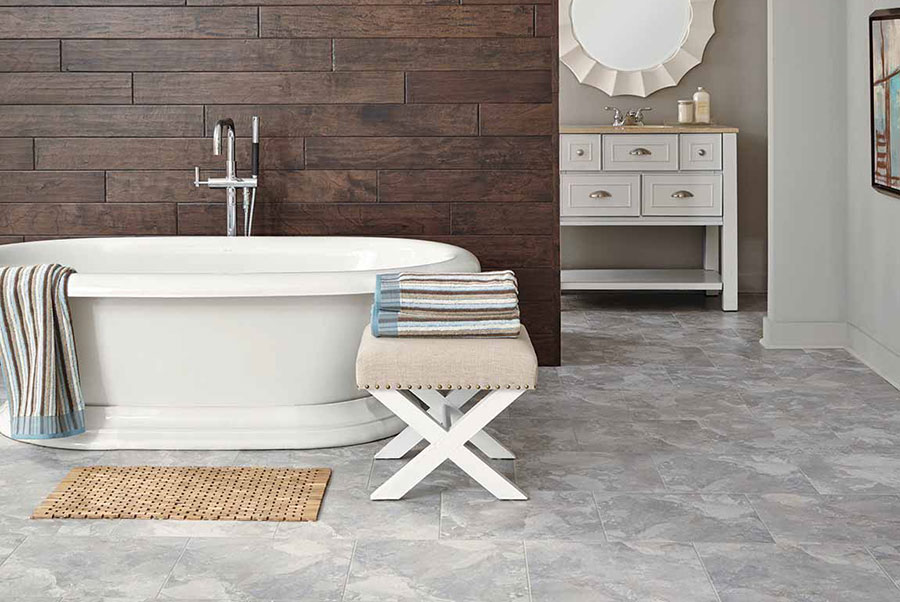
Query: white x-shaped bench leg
445, 410
447, 443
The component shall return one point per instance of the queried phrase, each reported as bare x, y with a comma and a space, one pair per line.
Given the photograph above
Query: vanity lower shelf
641, 280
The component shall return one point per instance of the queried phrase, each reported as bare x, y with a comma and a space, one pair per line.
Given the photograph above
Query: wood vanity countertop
648, 129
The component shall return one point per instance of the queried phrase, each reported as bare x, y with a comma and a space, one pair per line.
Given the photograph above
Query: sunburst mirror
633, 47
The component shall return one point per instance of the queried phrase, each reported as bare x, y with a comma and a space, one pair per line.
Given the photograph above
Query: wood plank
352, 120
63, 219
268, 88
163, 186
479, 86
396, 21
29, 55
547, 349
51, 186
539, 317
425, 153
314, 186
65, 88
546, 21
471, 186
328, 2
507, 252
97, 120
305, 186
16, 153
517, 119
296, 219
136, 22
442, 54
160, 153
196, 55
538, 284
503, 218
91, 2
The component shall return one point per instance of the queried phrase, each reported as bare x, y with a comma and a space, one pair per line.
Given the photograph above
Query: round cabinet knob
580, 152
701, 152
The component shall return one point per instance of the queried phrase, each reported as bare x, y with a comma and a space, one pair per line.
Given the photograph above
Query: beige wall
734, 70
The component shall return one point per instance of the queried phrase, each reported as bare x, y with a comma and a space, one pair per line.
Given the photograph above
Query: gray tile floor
671, 459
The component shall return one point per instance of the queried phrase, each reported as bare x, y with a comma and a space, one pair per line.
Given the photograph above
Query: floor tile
350, 514
350, 466
88, 566
527, 435
144, 457
567, 515
437, 571
255, 570
194, 528
616, 572
587, 471
862, 519
445, 476
713, 473
853, 472
814, 573
680, 518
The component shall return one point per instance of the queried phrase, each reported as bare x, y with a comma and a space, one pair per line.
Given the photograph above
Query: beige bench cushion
445, 363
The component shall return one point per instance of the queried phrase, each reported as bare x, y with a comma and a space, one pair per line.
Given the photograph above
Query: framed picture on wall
884, 42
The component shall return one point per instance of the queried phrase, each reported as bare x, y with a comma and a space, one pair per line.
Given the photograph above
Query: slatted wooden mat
188, 493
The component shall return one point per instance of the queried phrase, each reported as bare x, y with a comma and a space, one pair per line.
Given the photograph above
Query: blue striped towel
450, 304
38, 353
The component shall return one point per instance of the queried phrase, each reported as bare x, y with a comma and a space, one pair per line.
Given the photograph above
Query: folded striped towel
450, 304
38, 353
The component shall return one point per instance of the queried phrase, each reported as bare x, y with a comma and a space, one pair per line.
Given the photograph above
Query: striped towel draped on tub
38, 353
481, 304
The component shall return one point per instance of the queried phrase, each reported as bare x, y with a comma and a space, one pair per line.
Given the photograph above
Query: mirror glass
631, 35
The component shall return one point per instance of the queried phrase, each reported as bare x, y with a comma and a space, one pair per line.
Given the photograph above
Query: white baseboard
834, 335
881, 359
803, 335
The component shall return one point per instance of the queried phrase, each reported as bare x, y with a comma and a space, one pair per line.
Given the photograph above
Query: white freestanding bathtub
226, 343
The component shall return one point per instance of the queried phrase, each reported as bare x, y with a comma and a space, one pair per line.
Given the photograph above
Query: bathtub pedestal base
228, 427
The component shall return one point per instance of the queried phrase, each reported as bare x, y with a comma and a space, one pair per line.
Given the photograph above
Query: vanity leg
711, 253
730, 224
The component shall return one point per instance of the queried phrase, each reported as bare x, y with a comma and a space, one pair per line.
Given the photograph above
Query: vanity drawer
579, 152
644, 152
682, 195
701, 152
597, 195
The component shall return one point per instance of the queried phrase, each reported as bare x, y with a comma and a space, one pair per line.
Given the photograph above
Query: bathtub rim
246, 284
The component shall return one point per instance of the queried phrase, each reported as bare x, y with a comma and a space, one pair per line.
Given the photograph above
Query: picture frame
884, 101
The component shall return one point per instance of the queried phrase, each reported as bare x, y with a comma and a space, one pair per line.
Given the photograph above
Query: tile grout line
172, 570
349, 568
706, 571
761, 520
527, 571
880, 567
18, 545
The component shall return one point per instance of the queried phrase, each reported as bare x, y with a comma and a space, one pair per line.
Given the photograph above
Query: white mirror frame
645, 82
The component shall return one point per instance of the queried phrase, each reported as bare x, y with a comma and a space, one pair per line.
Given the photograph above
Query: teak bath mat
188, 493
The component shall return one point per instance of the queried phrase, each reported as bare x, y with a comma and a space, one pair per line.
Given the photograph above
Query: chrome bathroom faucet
224, 128
633, 117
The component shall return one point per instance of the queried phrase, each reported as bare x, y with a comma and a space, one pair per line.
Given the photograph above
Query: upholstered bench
409, 375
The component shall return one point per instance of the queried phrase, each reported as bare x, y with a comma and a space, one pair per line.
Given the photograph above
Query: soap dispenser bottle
702, 112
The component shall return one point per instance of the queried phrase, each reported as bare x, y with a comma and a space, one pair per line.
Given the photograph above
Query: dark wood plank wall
430, 119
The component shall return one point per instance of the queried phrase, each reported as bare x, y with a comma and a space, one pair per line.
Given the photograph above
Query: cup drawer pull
640, 152
683, 194
600, 194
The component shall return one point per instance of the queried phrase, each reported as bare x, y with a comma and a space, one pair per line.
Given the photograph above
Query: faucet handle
639, 114
197, 181
618, 118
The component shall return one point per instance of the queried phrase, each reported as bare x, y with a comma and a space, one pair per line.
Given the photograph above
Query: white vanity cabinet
654, 176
